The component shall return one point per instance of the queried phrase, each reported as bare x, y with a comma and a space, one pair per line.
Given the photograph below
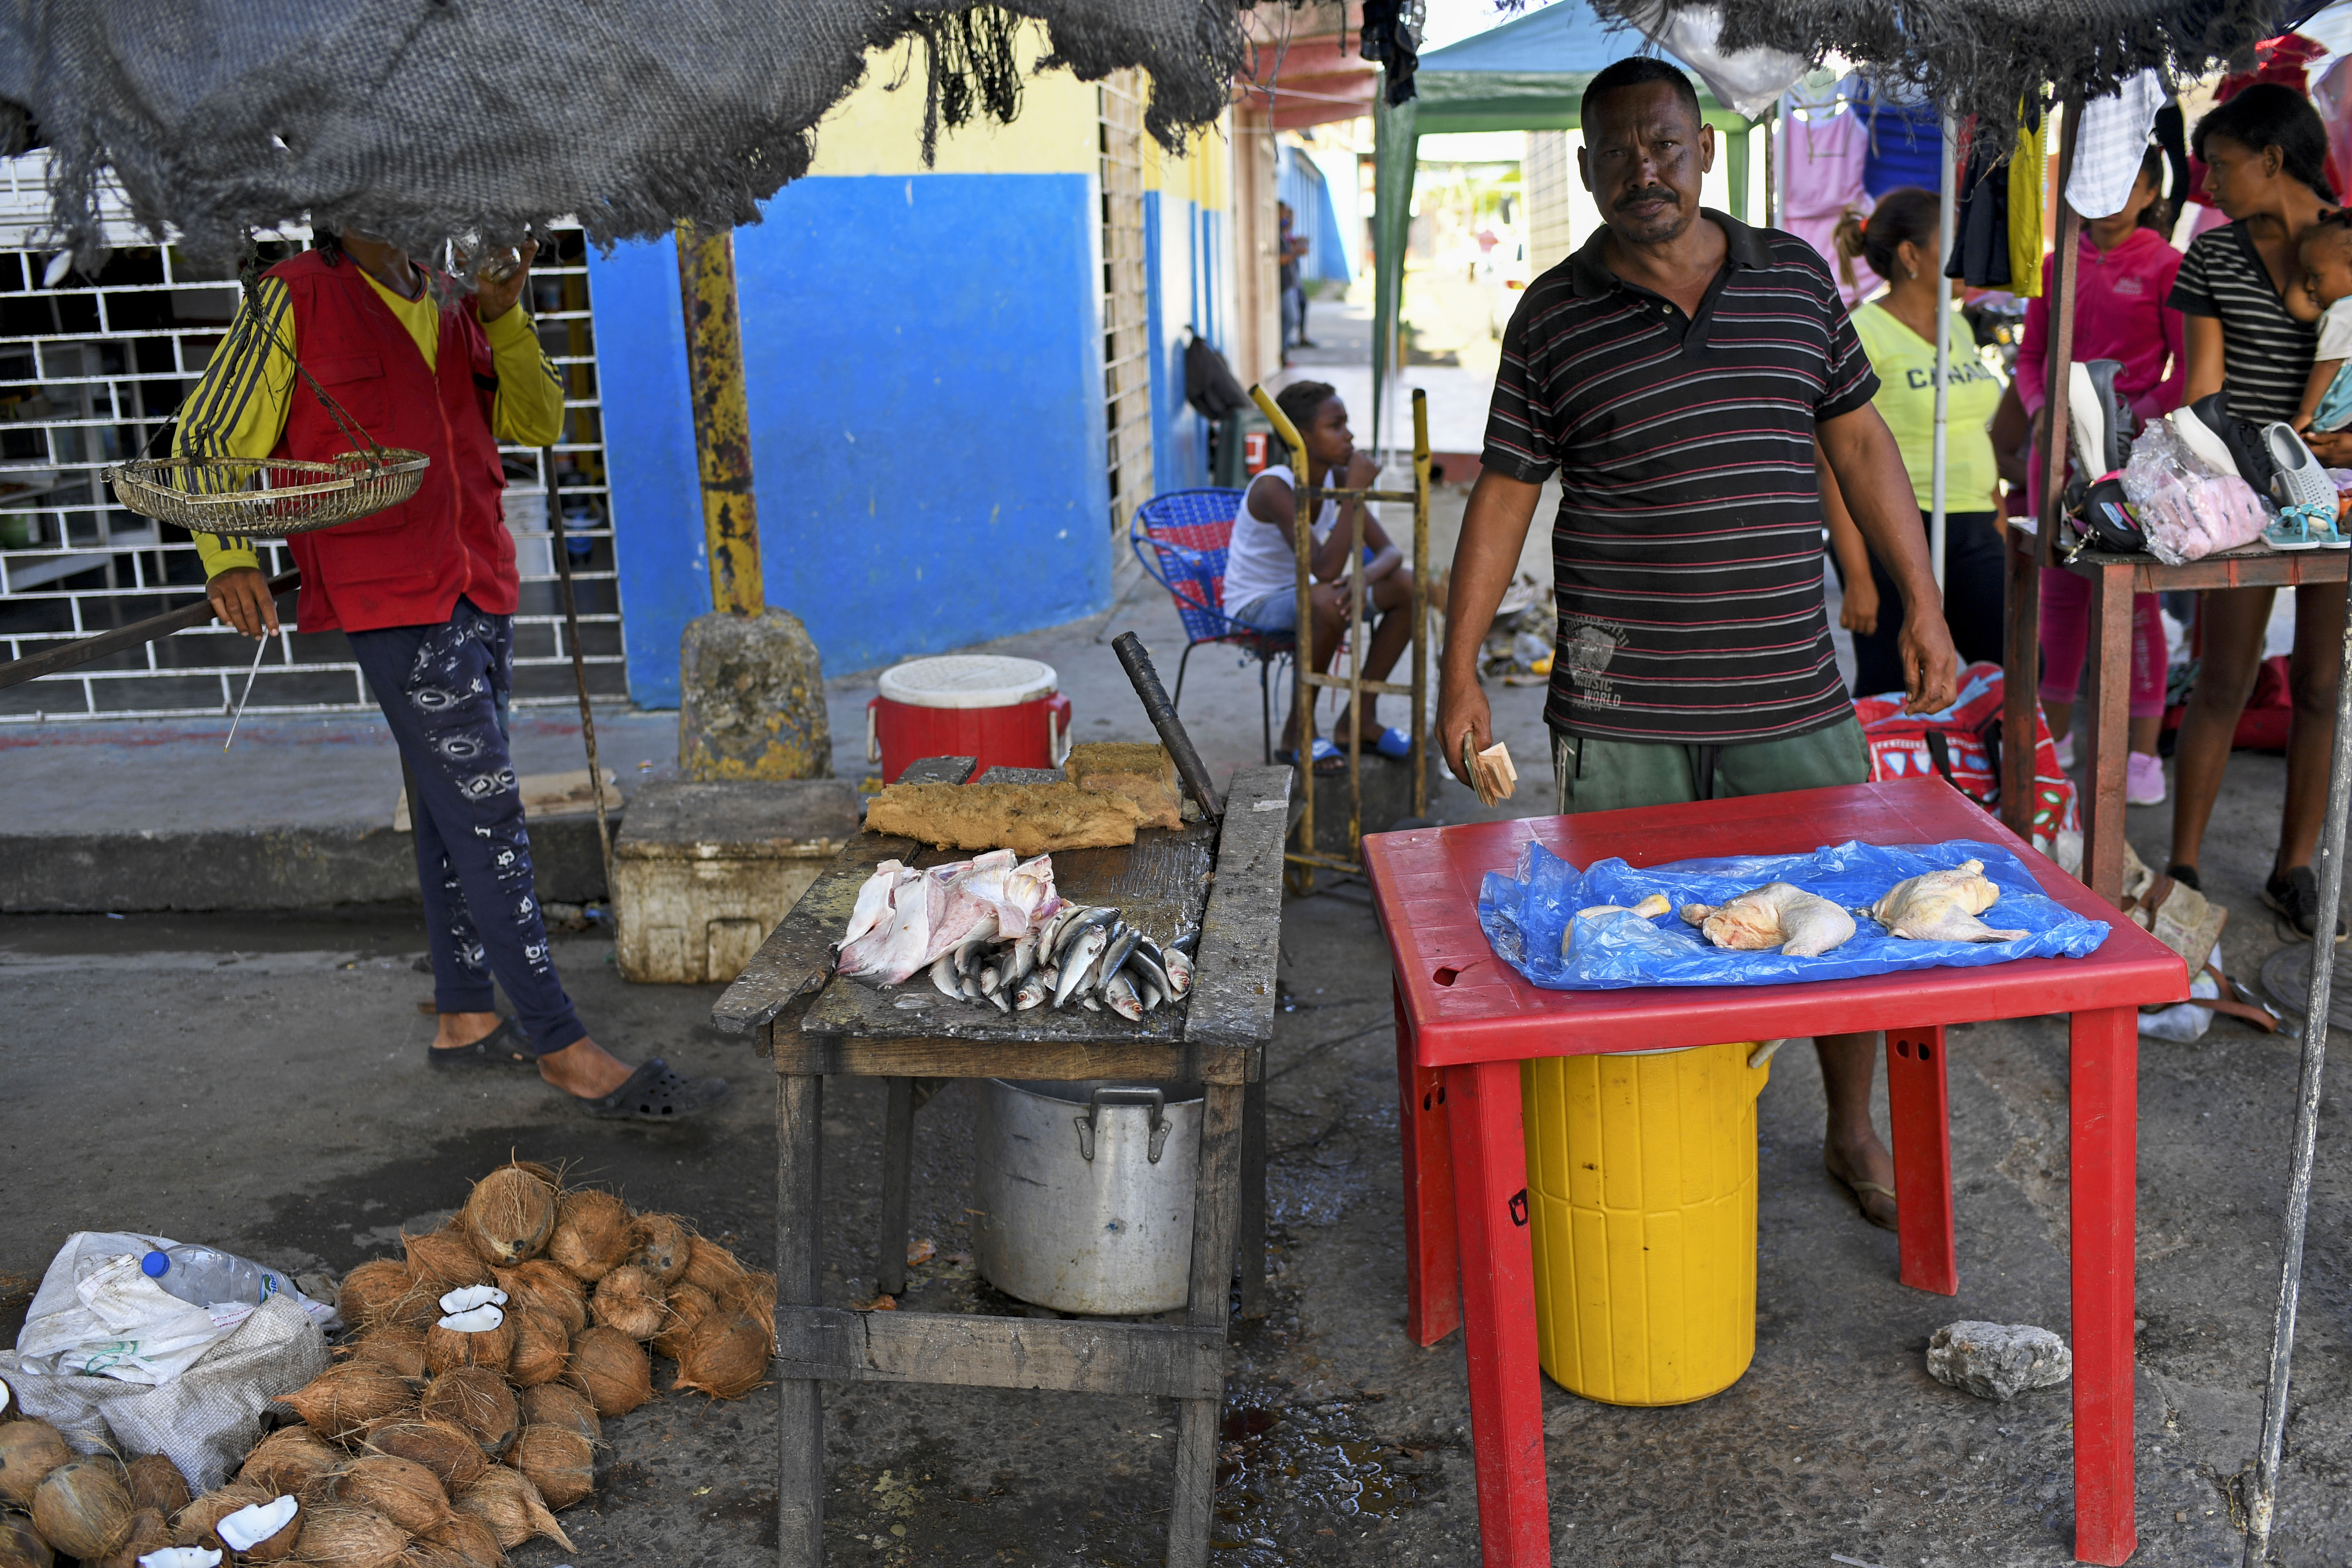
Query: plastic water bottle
205, 1278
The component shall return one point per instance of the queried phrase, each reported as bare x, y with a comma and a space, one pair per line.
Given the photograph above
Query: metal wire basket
267, 497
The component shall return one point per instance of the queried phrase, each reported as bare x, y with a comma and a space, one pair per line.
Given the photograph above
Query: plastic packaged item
2188, 510
205, 1276
2183, 1021
1527, 914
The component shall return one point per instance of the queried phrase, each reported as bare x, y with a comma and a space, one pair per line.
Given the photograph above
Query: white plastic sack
1749, 81
2183, 1021
97, 1314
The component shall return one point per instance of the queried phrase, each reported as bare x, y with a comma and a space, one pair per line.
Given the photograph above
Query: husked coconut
286, 1460
508, 1215
442, 1259
155, 1482
447, 1346
351, 1538
591, 1234
711, 1266
542, 1348
665, 1246
448, 1450
507, 1501
194, 1527
21, 1545
403, 1490
476, 1400
559, 1405
550, 1287
754, 1295
82, 1508
558, 1460
369, 1291
630, 1300
29, 1450
726, 1356
149, 1533
688, 1305
468, 1541
340, 1401
395, 1347
612, 1370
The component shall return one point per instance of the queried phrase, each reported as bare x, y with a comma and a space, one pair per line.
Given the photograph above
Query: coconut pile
464, 1412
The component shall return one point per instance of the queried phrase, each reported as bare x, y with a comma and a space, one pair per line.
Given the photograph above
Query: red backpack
1963, 744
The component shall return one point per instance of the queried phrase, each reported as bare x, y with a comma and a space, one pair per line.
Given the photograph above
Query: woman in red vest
426, 592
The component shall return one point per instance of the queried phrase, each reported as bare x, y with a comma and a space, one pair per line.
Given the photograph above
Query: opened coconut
265, 1532
194, 1527
507, 1501
448, 1344
612, 1370
287, 1458
369, 1291
726, 1356
508, 1215
710, 1265
29, 1450
477, 1401
395, 1347
149, 1533
548, 1287
630, 1300
591, 1234
340, 1401
665, 1246
21, 1545
82, 1508
444, 1259
442, 1448
403, 1490
558, 1460
559, 1405
349, 1538
542, 1348
688, 1305
466, 1539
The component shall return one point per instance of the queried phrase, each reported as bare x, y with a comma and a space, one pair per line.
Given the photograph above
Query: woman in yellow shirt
1897, 328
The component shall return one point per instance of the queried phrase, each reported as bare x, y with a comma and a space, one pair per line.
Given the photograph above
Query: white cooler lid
968, 680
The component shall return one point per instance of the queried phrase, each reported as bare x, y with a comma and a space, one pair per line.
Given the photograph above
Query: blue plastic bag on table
1526, 915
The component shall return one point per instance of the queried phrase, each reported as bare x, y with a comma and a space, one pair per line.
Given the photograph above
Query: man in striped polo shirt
1689, 378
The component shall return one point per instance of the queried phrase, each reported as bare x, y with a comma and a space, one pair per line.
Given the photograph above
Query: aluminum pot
1086, 1192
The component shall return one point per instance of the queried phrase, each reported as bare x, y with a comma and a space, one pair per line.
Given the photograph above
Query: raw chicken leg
1801, 924
1648, 909
1942, 906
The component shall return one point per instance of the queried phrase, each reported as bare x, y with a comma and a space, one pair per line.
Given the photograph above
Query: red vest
407, 564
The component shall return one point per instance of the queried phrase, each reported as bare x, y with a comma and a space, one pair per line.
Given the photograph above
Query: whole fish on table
1776, 915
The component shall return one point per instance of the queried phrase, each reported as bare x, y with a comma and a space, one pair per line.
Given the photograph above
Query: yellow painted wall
1201, 175
877, 131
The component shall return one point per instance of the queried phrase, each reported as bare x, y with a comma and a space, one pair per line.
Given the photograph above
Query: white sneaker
2143, 781
2066, 744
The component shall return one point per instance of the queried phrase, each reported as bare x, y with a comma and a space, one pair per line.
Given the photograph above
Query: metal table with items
1224, 877
1465, 1020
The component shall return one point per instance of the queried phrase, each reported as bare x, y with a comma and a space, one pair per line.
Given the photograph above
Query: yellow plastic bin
1642, 1182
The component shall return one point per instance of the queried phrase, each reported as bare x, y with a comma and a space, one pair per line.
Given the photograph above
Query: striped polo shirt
1687, 554
2265, 353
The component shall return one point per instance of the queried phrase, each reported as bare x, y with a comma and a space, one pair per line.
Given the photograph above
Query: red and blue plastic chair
1181, 539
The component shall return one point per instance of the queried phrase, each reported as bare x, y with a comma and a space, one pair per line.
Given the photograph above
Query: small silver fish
1179, 972
991, 978
1120, 994
972, 987
1031, 993
1025, 956
1085, 921
1078, 964
1152, 995
1122, 943
943, 977
1050, 974
1090, 1003
1147, 967
1001, 1005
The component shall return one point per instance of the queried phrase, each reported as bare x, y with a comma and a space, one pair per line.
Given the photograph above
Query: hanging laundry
1823, 148
2025, 245
2112, 145
1980, 255
1906, 144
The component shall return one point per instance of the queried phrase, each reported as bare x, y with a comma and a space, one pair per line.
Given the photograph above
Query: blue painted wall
1183, 275
924, 368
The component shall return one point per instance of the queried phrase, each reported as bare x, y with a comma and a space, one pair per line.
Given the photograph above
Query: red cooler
1004, 712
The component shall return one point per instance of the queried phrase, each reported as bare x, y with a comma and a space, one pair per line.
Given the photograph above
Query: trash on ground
1998, 1360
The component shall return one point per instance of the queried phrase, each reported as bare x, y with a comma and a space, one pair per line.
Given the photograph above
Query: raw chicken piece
1650, 908
1801, 924
1942, 906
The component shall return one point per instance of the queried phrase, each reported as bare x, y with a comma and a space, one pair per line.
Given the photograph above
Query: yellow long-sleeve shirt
238, 409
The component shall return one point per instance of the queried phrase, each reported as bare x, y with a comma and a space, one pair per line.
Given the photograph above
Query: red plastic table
1465, 1020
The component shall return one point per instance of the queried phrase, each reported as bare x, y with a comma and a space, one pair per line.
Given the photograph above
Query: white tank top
1262, 559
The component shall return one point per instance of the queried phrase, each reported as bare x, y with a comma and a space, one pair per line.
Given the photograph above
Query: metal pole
1947, 210
722, 420
579, 663
2263, 1503
1420, 602
1301, 654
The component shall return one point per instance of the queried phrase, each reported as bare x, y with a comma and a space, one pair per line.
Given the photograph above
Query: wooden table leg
1252, 1227
1216, 1219
1490, 1160
2102, 721
1432, 1307
2021, 678
2103, 1059
1919, 1106
897, 1187
799, 1412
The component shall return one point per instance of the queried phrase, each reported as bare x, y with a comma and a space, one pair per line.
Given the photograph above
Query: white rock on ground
1998, 1360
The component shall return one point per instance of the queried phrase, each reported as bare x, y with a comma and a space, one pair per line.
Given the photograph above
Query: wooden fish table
1224, 879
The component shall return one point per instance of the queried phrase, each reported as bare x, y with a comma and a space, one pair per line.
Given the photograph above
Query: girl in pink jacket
2123, 276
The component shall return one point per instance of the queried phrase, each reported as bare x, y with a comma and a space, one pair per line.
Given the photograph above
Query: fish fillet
1942, 906
1776, 915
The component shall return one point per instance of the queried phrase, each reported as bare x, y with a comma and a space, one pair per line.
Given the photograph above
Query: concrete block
705, 871
751, 700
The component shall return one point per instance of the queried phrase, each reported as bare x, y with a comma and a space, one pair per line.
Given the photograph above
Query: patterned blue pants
443, 690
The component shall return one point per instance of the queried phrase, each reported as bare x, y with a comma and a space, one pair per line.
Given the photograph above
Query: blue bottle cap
155, 1265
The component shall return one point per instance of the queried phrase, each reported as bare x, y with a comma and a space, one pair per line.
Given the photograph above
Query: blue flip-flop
1328, 758
1394, 743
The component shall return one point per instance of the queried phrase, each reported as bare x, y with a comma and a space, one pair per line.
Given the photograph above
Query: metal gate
1127, 348
92, 366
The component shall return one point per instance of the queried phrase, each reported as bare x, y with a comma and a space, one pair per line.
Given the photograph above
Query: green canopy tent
1526, 75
